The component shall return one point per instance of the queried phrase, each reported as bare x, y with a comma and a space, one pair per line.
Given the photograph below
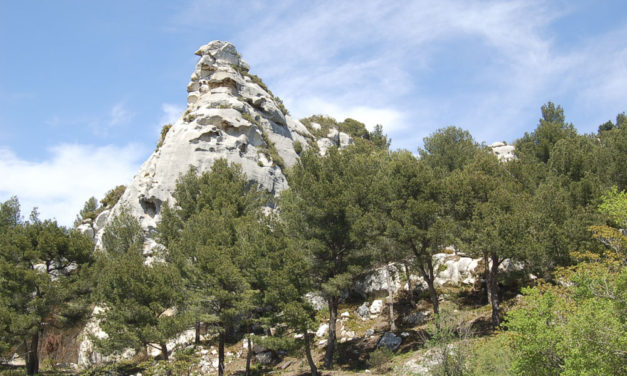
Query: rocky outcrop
230, 114
455, 269
503, 151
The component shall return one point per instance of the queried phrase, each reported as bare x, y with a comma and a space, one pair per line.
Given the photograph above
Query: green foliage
123, 234
214, 239
280, 105
448, 149
10, 213
552, 128
164, 132
379, 139
573, 329
349, 126
379, 359
614, 141
327, 197
44, 278
614, 205
491, 356
135, 295
112, 197
298, 147
450, 357
91, 209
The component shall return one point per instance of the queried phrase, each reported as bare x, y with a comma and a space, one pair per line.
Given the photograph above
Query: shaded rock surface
390, 340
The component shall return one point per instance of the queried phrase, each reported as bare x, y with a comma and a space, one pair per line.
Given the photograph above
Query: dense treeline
231, 267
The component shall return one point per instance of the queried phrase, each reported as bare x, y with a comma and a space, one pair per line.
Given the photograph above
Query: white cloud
119, 114
390, 118
171, 113
61, 184
386, 55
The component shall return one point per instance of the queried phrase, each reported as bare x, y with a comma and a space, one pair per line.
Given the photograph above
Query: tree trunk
328, 356
197, 333
410, 288
486, 268
493, 290
32, 358
164, 352
221, 339
429, 277
249, 355
312, 365
390, 299
423, 258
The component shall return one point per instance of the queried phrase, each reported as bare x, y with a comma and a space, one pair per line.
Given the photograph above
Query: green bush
112, 197
491, 356
575, 328
380, 359
164, 132
298, 147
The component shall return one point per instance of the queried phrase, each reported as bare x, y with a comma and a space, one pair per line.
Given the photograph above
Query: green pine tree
43, 268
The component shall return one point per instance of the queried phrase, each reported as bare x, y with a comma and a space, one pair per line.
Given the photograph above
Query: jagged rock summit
230, 114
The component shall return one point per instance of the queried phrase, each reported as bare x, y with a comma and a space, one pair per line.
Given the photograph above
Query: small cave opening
151, 206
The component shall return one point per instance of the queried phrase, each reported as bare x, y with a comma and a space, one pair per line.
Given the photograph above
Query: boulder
86, 229
502, 151
376, 307
363, 310
390, 340
322, 330
265, 357
317, 301
416, 318
375, 283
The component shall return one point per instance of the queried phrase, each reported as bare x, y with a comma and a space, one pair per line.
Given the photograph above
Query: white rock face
322, 330
502, 151
456, 270
334, 138
228, 116
376, 307
375, 283
316, 300
87, 354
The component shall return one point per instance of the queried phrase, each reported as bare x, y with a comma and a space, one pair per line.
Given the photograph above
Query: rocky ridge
230, 114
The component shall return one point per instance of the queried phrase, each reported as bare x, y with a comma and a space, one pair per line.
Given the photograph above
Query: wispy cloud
119, 114
60, 185
171, 112
484, 65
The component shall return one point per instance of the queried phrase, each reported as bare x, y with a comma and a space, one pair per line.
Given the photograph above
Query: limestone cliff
230, 114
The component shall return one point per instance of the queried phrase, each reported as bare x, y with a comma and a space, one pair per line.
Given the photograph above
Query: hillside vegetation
250, 286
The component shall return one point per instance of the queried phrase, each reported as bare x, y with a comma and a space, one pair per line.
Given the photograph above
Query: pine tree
208, 235
43, 267
327, 197
140, 300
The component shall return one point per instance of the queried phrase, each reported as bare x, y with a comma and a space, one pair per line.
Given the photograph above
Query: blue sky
86, 86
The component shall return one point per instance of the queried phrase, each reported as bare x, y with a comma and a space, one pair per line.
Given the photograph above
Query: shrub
380, 359
112, 197
164, 132
281, 106
491, 356
298, 147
